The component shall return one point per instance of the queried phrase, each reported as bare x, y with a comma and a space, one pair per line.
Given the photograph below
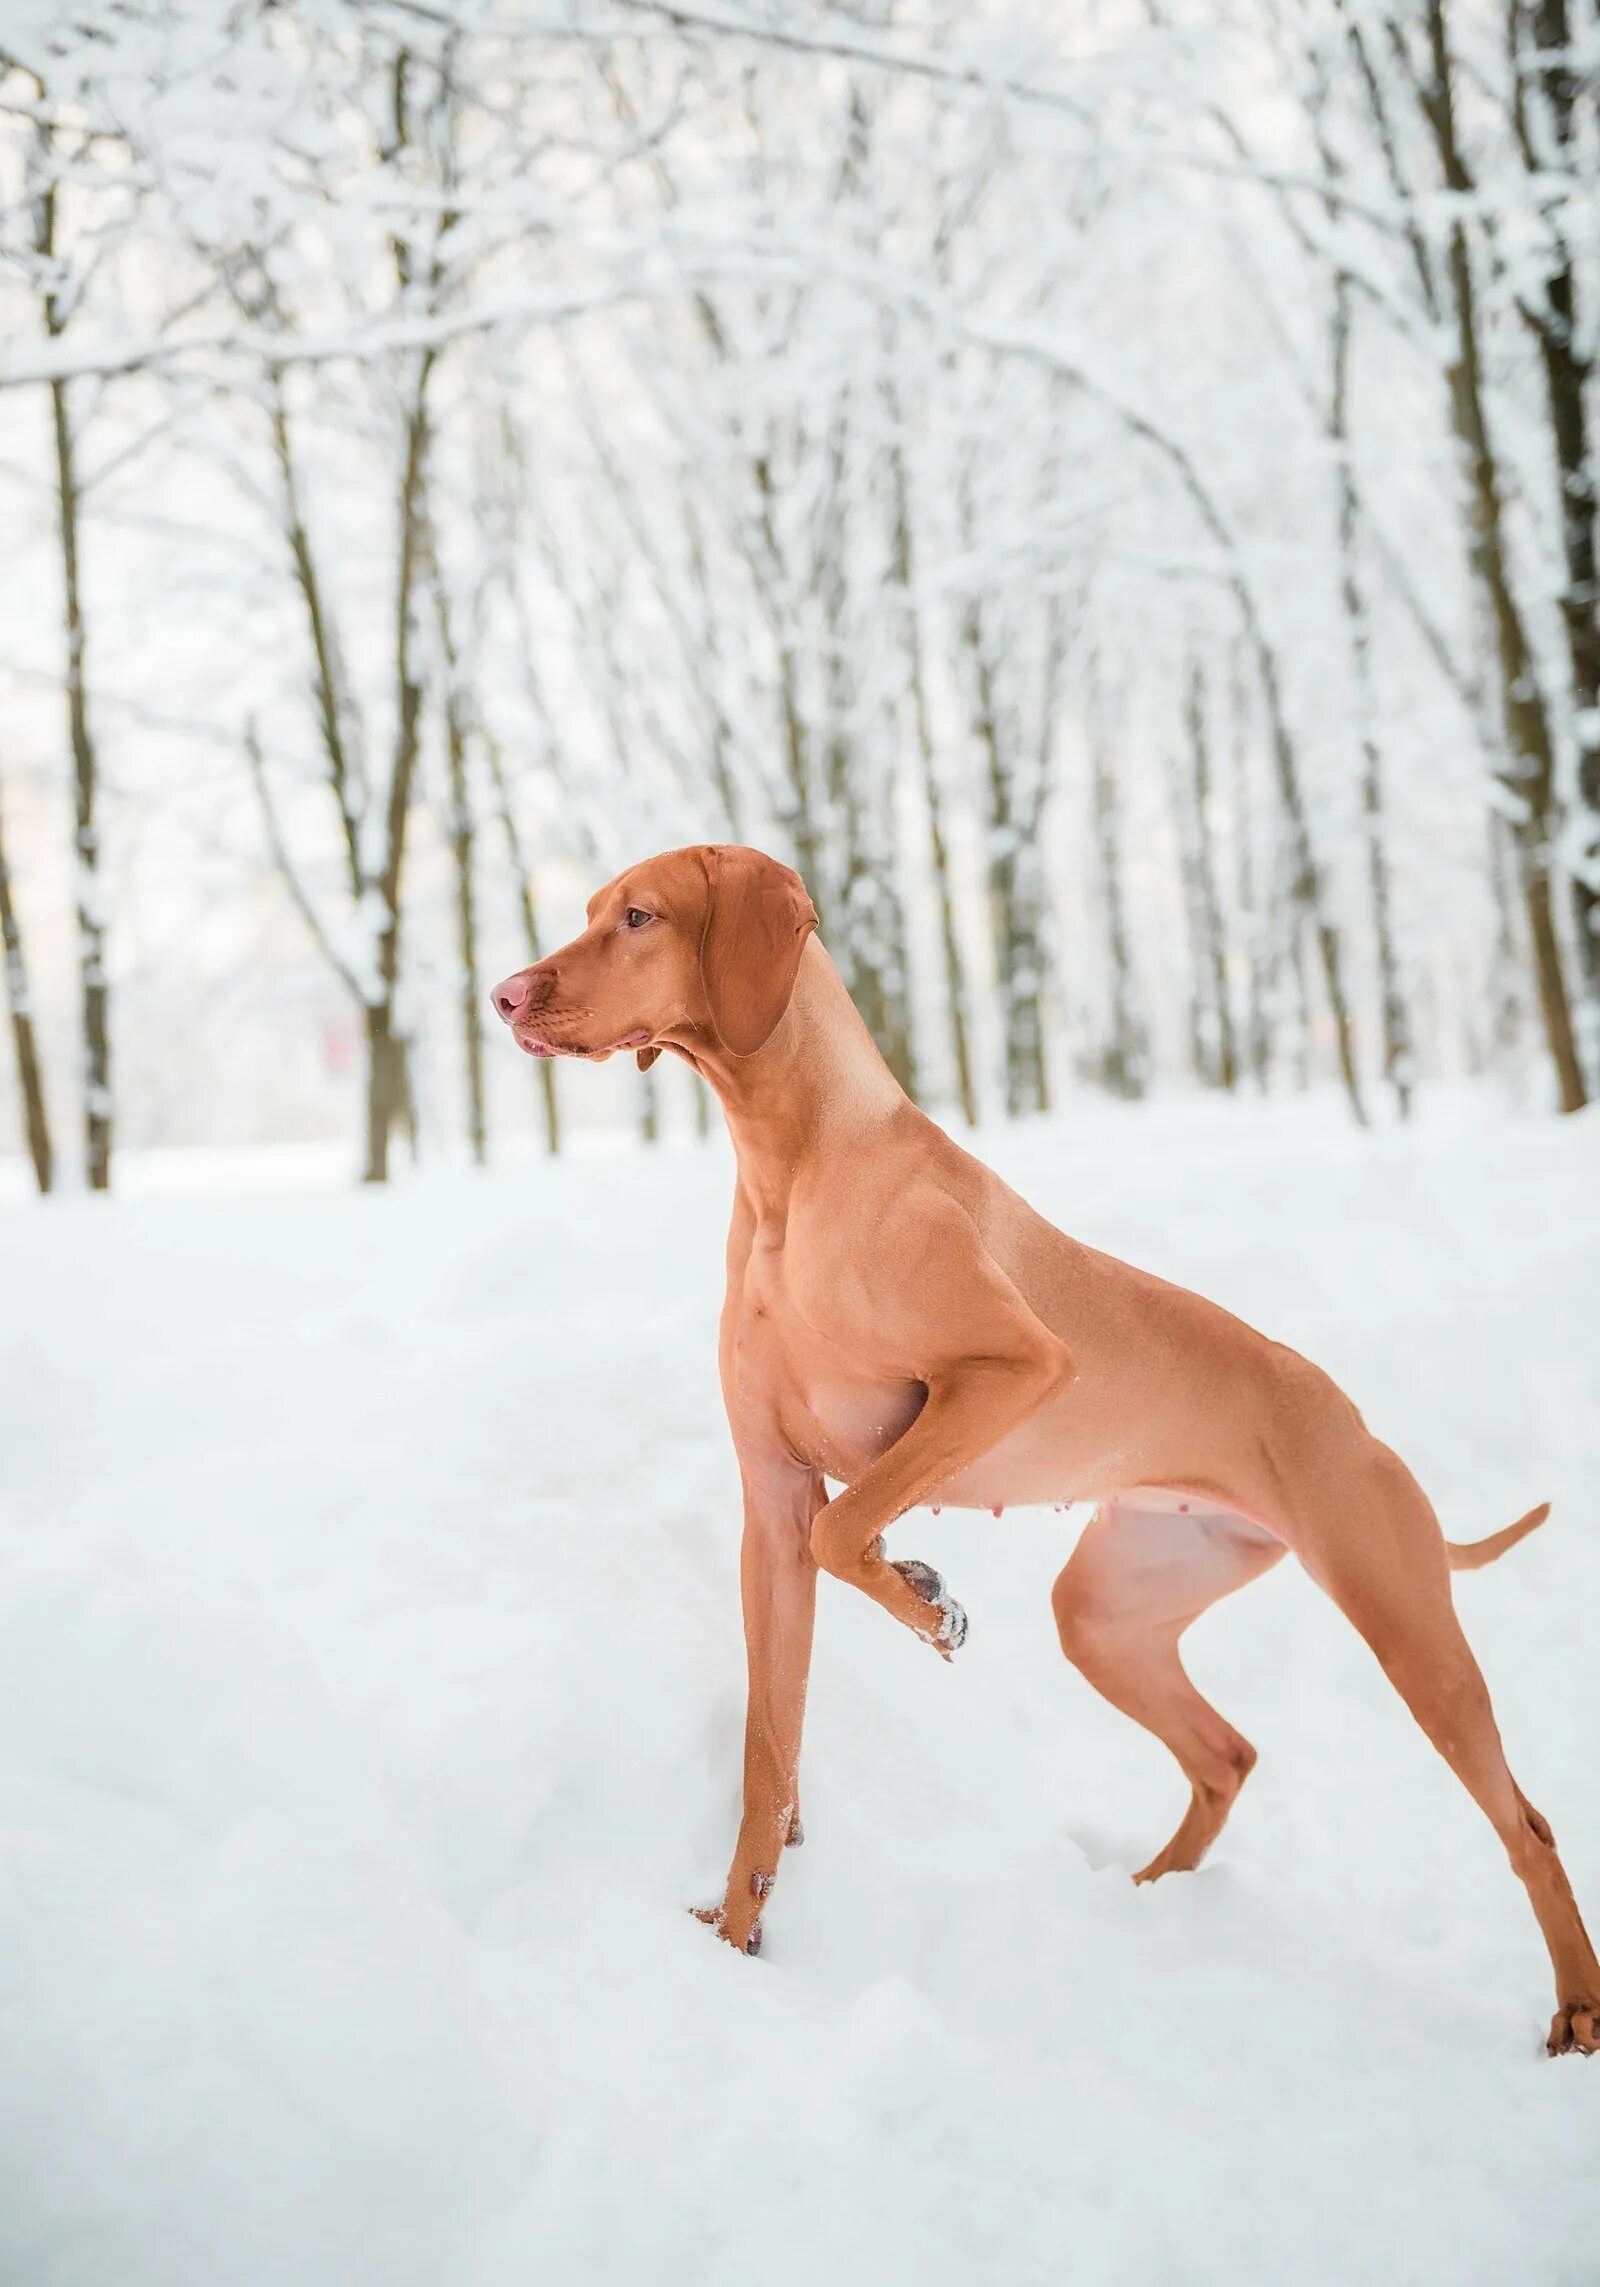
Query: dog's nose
511, 997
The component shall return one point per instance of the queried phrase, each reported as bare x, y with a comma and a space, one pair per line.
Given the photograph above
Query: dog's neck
817, 1086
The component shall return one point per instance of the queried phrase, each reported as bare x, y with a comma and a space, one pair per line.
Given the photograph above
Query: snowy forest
1106, 490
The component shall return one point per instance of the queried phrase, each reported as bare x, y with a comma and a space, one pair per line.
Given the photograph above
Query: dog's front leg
970, 1407
987, 1363
778, 1587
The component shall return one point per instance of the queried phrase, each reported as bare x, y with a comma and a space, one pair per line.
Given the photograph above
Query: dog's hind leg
1135, 1581
1383, 1562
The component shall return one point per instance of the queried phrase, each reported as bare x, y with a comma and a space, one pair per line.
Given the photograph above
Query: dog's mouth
532, 1044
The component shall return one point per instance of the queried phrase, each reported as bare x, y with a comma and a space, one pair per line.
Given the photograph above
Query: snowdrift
370, 1701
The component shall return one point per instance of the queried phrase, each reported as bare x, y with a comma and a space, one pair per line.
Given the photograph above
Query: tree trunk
1550, 145
955, 975
89, 888
1398, 1060
388, 1093
1027, 1068
30, 1085
955, 982
858, 770
1529, 770
649, 1106
864, 905
1201, 1033
389, 1096
336, 718
461, 851
462, 854
1307, 887
1506, 961
1001, 847
799, 817
1258, 1032
1213, 923
386, 1089
1296, 925
523, 878
1015, 891
1125, 1059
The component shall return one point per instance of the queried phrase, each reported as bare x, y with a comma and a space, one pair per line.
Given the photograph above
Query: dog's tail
1467, 1556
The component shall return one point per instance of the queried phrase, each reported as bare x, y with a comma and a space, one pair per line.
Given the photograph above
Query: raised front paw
949, 1633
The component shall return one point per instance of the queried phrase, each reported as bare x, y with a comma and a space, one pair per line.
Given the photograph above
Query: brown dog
898, 1320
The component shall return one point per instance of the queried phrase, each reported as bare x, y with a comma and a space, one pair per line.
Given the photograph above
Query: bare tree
1396, 1023
1530, 765
1547, 107
1125, 1056
94, 983
1218, 1058
30, 1083
901, 548
461, 823
522, 880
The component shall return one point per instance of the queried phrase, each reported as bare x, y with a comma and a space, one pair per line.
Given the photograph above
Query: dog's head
704, 942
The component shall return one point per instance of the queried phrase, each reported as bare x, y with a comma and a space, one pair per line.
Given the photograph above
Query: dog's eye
637, 918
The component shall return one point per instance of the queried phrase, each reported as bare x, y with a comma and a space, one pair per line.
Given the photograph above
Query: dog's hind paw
951, 1632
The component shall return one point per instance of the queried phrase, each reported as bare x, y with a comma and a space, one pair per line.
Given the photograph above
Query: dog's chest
832, 1410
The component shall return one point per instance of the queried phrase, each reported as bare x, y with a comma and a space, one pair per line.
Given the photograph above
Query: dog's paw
951, 1632
714, 1919
1575, 2029
922, 1577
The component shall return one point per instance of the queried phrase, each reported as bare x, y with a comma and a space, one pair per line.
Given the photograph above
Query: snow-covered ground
370, 1700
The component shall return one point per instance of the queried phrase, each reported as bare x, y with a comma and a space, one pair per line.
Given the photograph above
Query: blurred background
1106, 490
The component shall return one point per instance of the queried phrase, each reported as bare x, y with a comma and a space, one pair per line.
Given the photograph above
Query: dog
901, 1322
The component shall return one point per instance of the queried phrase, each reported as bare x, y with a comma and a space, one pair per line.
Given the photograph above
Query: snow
370, 1702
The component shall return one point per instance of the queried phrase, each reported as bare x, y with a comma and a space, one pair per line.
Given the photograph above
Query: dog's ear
758, 918
646, 1057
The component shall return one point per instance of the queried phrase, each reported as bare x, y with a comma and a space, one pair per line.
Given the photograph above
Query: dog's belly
841, 1427
1084, 1447
1048, 1461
